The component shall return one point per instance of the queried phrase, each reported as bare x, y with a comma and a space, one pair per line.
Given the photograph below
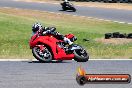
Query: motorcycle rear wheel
44, 56
63, 8
81, 55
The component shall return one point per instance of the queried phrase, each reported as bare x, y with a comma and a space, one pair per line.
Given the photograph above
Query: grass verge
15, 29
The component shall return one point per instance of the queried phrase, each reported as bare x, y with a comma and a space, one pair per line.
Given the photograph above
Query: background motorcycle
68, 6
47, 48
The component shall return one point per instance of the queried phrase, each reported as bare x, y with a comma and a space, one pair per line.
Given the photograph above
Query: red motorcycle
47, 48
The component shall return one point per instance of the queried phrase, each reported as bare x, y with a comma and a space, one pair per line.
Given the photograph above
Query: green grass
15, 32
14, 37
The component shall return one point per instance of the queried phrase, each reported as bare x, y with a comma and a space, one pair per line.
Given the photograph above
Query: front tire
74, 10
81, 55
42, 56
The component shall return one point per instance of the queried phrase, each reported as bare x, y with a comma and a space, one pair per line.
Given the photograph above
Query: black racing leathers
52, 30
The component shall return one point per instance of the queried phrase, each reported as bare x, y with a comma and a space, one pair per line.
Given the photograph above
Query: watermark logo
83, 78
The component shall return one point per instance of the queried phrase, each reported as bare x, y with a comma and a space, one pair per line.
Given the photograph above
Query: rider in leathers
37, 27
65, 3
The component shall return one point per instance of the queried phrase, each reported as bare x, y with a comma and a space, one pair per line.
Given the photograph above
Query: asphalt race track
101, 13
23, 74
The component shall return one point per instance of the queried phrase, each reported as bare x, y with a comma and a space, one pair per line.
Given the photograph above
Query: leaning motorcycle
47, 48
68, 6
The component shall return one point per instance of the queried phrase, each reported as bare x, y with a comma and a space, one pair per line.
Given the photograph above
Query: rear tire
81, 55
63, 8
45, 56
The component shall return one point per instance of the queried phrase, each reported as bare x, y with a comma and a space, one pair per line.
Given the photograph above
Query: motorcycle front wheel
81, 55
43, 56
74, 10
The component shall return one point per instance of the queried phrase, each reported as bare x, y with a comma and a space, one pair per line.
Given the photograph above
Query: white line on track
111, 59
16, 60
65, 60
81, 16
92, 18
60, 2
